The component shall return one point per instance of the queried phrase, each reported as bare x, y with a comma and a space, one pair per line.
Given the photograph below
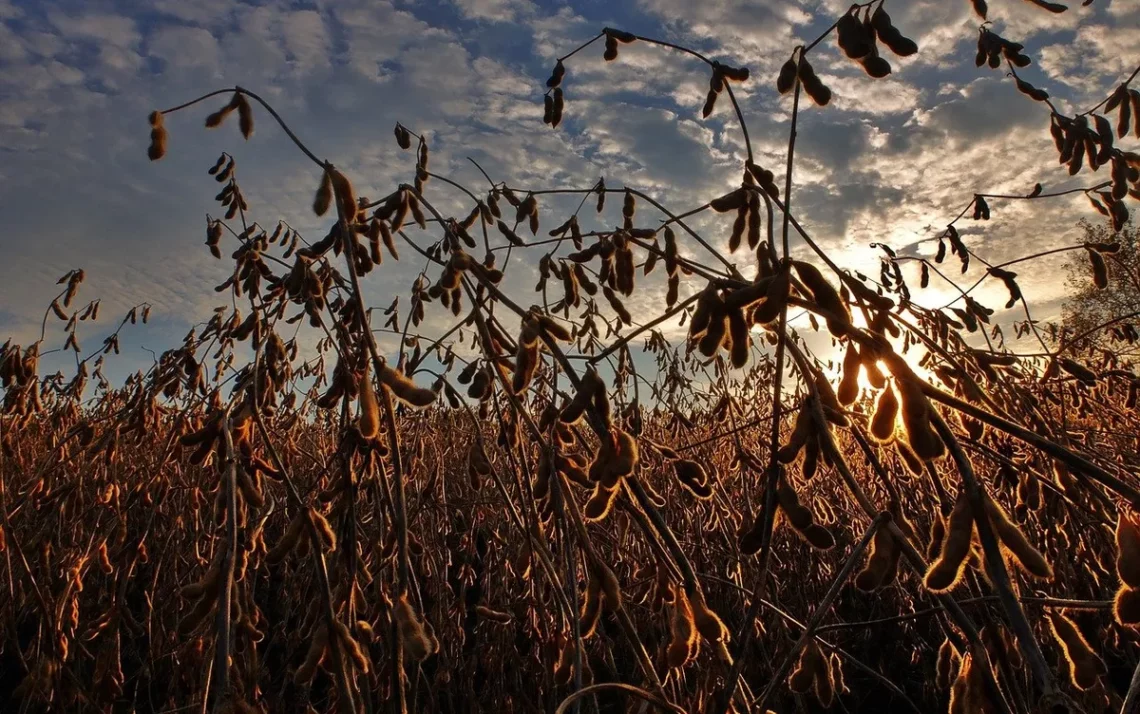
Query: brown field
550, 506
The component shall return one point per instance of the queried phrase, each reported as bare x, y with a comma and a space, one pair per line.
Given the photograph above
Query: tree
1117, 304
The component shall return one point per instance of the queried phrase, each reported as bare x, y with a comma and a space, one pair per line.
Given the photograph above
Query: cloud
11, 48
651, 147
749, 27
888, 160
1095, 60
199, 12
185, 48
105, 29
859, 94
982, 109
495, 10
306, 39
115, 37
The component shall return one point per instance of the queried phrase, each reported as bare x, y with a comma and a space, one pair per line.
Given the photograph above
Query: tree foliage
1090, 308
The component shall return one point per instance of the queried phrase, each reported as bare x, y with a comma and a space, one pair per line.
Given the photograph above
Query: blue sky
890, 160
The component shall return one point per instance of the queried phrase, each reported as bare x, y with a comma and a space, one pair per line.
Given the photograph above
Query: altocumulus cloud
889, 161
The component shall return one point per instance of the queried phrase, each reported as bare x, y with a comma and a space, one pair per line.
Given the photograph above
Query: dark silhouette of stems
821, 610
995, 561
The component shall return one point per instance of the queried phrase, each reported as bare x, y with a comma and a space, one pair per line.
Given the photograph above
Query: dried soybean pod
810, 666
716, 332
288, 541
1126, 606
526, 364
741, 342
318, 649
575, 408
551, 327
345, 195
974, 697
916, 414
704, 309
591, 608
836, 669
564, 666
753, 220
416, 642
1085, 665
104, 560
352, 647
731, 201
885, 416
848, 390
389, 241
884, 554
945, 572
369, 423
824, 686
197, 614
1029, 558
600, 502
610, 587
818, 537
871, 366
811, 459
215, 119
832, 409
405, 389
825, 296
498, 616
1128, 549
683, 642
799, 516
323, 199
948, 659
1099, 269
1028, 491
961, 701
250, 491
913, 464
709, 624
627, 455
324, 528
403, 137
158, 136
750, 541
787, 77
937, 535
801, 431
208, 585
693, 477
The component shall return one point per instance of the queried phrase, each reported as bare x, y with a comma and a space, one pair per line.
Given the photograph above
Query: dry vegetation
510, 516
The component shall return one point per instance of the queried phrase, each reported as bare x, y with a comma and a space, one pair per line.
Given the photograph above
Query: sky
889, 160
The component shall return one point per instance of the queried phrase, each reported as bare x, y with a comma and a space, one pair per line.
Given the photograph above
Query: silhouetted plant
569, 530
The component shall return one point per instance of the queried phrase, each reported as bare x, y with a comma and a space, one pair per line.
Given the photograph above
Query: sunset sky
889, 160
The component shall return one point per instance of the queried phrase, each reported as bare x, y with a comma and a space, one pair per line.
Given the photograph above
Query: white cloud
114, 30
11, 49
8, 11
862, 94
495, 10
1095, 60
890, 160
750, 28
199, 11
306, 39
377, 34
185, 47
